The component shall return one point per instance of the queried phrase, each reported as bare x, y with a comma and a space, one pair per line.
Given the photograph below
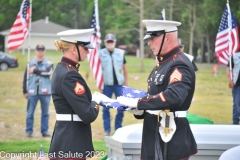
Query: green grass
212, 100
34, 146
24, 146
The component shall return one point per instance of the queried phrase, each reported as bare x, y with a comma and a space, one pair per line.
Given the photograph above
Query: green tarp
194, 119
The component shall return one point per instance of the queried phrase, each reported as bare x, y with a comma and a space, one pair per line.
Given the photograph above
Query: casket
212, 141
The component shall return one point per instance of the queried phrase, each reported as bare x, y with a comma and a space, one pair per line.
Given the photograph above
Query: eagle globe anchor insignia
168, 126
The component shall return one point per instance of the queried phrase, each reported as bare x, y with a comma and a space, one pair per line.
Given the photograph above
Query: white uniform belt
177, 113
67, 117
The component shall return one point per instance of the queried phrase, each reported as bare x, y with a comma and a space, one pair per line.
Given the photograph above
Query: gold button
151, 79
148, 80
148, 86
70, 65
156, 83
155, 72
157, 65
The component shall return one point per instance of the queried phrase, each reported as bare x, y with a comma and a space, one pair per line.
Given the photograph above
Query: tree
200, 18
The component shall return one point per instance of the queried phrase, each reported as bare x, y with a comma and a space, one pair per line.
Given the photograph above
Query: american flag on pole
94, 59
227, 40
19, 30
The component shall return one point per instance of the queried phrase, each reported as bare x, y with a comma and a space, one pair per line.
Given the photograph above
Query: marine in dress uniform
171, 86
72, 98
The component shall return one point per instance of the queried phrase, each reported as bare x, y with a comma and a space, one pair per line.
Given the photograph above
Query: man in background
181, 46
234, 84
115, 76
38, 87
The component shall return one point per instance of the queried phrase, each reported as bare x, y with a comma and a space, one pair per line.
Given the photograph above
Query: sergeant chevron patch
175, 76
79, 89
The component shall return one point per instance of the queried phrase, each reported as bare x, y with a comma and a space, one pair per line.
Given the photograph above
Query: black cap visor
85, 44
152, 34
89, 46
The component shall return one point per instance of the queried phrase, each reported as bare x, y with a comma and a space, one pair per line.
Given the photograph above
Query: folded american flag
132, 92
126, 92
116, 105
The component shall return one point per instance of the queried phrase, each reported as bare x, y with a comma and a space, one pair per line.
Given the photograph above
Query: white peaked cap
160, 25
76, 35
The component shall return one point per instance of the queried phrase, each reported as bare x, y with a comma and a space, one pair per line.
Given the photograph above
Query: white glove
105, 98
99, 97
130, 102
96, 97
136, 111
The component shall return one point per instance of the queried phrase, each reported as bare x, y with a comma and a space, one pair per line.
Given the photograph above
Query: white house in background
42, 32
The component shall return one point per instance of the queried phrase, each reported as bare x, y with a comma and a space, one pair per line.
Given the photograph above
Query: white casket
212, 141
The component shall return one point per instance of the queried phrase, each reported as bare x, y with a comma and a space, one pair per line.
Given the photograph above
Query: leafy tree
200, 18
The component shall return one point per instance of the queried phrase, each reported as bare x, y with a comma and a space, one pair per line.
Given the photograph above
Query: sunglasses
109, 41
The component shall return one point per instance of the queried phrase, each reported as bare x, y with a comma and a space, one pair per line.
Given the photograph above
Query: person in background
115, 76
38, 88
181, 46
76, 108
234, 84
166, 131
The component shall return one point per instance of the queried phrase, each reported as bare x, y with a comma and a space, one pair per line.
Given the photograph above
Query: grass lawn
34, 146
29, 150
212, 100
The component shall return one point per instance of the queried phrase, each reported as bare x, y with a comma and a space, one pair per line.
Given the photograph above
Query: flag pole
97, 20
97, 27
229, 37
29, 42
